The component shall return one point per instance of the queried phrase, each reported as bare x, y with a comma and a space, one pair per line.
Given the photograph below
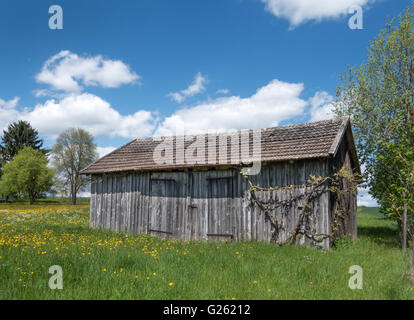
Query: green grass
105, 265
48, 200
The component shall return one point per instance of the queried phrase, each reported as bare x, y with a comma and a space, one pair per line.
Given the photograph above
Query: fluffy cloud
196, 87
275, 102
68, 72
91, 113
10, 104
321, 106
85, 111
103, 151
365, 199
8, 112
301, 11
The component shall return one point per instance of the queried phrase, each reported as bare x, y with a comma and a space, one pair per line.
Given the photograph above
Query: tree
393, 182
73, 151
27, 174
18, 135
379, 97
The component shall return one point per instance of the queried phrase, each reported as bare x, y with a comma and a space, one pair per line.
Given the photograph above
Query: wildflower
254, 281
171, 284
104, 269
237, 252
154, 274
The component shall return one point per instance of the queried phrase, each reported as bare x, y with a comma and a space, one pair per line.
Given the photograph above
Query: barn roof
302, 141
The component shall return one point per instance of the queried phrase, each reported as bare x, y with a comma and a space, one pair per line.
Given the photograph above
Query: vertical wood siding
206, 205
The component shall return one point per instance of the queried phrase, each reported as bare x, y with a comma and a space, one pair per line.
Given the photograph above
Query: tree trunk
404, 242
73, 198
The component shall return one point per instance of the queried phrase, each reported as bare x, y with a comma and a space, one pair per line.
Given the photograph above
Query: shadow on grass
387, 236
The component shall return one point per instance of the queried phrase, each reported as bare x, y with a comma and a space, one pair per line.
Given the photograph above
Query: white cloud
103, 151
90, 112
196, 87
68, 72
301, 11
223, 91
275, 102
321, 106
8, 112
86, 111
365, 199
10, 104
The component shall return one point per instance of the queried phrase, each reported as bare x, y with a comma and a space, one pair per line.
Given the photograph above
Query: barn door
163, 207
220, 200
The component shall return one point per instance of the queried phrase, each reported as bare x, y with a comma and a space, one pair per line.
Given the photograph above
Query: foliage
18, 135
394, 178
105, 265
379, 97
27, 174
342, 243
74, 150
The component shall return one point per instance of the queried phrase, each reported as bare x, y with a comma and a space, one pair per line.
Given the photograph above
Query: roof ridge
298, 125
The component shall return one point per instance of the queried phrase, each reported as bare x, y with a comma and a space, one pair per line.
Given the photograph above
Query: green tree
379, 97
73, 151
18, 135
27, 174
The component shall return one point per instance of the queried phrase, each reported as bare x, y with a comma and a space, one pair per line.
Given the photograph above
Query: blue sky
123, 69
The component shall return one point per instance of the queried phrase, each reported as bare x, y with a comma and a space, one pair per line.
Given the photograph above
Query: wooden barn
133, 192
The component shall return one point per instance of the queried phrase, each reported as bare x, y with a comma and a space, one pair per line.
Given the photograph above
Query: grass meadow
106, 265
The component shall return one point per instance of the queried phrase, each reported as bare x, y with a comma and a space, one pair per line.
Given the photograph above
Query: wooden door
163, 207
220, 200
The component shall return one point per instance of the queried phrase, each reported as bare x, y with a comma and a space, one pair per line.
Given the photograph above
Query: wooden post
412, 256
404, 244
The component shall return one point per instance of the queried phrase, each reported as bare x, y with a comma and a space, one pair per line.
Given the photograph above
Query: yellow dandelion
171, 284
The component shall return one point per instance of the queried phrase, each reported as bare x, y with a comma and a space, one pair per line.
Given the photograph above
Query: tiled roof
303, 141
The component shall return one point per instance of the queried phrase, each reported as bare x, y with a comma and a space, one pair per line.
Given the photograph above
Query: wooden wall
197, 204
347, 222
